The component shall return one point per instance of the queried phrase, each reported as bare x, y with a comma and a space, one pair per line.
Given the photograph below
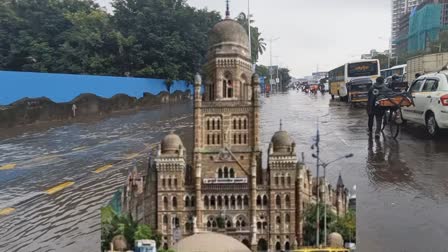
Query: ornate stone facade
226, 189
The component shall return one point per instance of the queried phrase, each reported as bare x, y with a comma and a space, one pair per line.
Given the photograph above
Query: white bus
399, 70
339, 77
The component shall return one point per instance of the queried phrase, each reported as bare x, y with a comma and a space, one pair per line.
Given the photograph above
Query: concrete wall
65, 87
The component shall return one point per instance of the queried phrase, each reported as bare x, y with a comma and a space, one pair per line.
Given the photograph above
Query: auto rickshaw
358, 90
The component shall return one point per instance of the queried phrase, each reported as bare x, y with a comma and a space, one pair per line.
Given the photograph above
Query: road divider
7, 211
7, 167
59, 187
103, 168
132, 156
79, 148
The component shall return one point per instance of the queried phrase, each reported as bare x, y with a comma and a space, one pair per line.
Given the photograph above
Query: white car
430, 94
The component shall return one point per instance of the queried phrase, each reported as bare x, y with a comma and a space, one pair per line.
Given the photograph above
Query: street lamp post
270, 52
324, 166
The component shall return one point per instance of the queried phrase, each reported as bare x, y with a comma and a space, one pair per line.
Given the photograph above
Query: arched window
278, 220
163, 182
228, 224
288, 180
258, 200
220, 173
239, 138
265, 200
218, 141
234, 139
278, 201
213, 124
175, 182
169, 182
278, 247
239, 123
246, 200
226, 201
283, 181
208, 124
226, 172
287, 246
245, 123
213, 139
218, 126
245, 139
165, 203
229, 89
176, 222
208, 139
206, 202
174, 202
165, 219
193, 201
239, 201
287, 218
187, 201
234, 123
224, 88
219, 201
212, 201
287, 201
232, 201
276, 180
231, 173
259, 225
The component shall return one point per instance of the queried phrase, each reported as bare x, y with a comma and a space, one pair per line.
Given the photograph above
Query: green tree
258, 45
113, 224
346, 226
309, 226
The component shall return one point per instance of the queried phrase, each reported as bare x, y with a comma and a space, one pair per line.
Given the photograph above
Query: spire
281, 124
340, 182
227, 10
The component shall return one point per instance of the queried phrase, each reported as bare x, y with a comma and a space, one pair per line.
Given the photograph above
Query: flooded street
402, 186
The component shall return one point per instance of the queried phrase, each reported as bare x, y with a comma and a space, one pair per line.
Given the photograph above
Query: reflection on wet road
402, 185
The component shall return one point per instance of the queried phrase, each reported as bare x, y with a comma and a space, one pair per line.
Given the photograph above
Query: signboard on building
225, 180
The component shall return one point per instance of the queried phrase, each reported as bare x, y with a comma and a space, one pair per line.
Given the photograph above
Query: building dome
171, 144
210, 242
228, 31
281, 141
335, 240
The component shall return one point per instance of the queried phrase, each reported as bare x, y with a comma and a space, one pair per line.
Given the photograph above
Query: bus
399, 70
340, 76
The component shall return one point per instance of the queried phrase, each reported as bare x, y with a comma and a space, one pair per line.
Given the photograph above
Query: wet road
402, 185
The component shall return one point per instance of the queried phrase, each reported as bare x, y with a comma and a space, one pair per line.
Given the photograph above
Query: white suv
430, 94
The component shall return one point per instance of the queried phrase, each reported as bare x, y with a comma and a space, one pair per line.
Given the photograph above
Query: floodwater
402, 186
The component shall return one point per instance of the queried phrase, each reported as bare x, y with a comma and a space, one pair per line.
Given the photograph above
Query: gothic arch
262, 245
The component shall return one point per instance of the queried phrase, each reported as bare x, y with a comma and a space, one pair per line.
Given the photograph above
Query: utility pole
317, 186
248, 30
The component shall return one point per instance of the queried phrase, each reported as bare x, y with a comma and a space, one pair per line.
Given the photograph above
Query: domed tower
229, 67
226, 135
170, 165
282, 164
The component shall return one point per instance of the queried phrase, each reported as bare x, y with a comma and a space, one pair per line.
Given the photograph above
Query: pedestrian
74, 110
377, 90
395, 84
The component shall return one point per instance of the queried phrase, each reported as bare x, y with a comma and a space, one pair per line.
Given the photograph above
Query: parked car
430, 95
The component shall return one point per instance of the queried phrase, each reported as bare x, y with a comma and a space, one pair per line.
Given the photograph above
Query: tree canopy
164, 39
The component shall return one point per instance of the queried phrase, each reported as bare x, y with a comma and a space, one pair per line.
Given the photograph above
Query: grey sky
313, 32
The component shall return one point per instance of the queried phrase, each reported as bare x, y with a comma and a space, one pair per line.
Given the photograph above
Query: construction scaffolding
424, 27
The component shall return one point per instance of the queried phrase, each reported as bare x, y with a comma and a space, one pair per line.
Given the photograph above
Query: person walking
373, 110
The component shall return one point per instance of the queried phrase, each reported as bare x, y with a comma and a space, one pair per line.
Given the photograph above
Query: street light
324, 165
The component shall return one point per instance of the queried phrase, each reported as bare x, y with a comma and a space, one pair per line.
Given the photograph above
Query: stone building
225, 189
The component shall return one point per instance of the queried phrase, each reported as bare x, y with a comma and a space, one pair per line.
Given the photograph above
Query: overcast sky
313, 33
